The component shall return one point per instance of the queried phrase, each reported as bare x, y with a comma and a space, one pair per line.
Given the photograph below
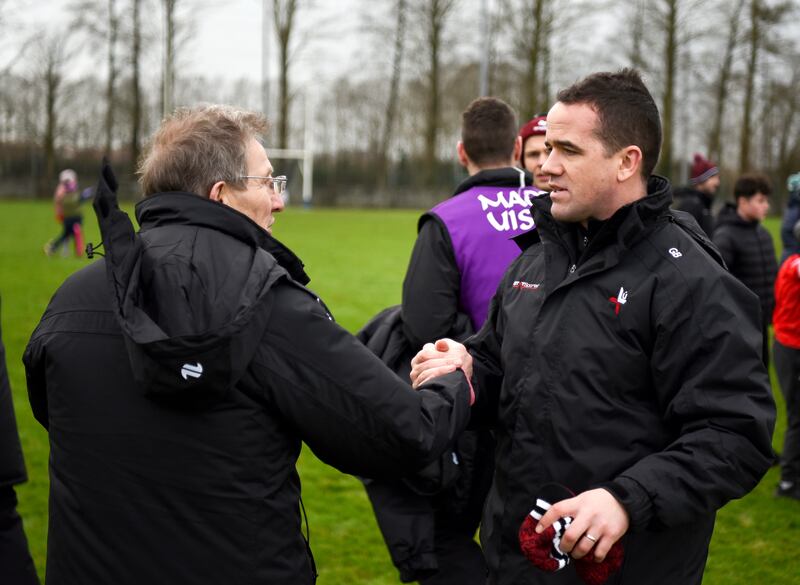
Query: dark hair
489, 131
626, 110
749, 185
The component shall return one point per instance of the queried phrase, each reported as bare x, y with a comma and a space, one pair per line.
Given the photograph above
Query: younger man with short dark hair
747, 246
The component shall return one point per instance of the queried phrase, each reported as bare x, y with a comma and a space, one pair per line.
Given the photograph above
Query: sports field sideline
356, 260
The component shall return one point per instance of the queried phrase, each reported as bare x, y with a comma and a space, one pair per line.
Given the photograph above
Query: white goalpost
305, 156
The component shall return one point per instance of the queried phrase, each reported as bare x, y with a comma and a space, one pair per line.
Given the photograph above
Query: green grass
356, 260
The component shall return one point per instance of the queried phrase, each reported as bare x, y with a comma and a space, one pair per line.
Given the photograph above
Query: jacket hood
189, 291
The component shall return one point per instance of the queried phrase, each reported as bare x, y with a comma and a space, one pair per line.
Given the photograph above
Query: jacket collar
504, 177
626, 225
180, 208
609, 238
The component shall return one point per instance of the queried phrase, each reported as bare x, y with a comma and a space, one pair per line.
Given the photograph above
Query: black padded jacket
178, 377
749, 253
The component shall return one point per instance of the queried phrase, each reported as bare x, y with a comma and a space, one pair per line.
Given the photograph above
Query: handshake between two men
598, 520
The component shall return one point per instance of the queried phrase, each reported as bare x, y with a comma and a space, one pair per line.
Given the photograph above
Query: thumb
442, 345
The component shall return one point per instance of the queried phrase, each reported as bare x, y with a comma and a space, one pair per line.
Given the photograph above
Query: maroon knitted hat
536, 127
702, 169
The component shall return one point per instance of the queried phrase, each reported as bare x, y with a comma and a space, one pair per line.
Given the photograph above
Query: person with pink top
67, 200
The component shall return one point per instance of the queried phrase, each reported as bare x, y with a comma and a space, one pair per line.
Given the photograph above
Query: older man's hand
437, 359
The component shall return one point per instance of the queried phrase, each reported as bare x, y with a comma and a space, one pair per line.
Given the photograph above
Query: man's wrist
471, 388
634, 498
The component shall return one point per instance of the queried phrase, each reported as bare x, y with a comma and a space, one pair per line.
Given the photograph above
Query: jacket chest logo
529, 286
192, 370
619, 300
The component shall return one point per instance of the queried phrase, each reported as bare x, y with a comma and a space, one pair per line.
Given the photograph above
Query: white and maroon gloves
543, 550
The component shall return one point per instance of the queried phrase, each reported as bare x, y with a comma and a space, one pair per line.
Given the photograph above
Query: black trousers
16, 564
787, 367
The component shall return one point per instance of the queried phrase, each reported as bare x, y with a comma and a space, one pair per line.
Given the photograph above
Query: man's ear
462, 155
630, 163
216, 192
517, 149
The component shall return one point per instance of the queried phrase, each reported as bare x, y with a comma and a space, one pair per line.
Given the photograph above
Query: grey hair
198, 146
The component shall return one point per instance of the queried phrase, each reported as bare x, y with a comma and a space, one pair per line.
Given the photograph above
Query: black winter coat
12, 466
697, 204
177, 378
430, 310
656, 398
749, 253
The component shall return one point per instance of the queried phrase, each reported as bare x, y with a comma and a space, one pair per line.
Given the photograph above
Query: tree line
723, 72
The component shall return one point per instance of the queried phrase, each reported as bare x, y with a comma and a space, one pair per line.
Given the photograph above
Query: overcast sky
226, 42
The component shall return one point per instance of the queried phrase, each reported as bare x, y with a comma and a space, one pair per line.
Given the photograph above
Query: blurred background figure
747, 246
697, 197
533, 150
791, 245
786, 350
67, 202
16, 565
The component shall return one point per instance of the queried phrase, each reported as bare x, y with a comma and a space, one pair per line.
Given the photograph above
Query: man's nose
542, 158
277, 202
551, 166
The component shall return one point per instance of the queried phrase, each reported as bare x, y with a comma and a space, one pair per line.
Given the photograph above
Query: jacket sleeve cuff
634, 499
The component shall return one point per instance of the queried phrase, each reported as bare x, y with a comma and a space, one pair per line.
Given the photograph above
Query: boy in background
747, 246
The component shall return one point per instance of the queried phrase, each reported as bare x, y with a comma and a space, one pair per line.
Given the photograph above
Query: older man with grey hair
179, 376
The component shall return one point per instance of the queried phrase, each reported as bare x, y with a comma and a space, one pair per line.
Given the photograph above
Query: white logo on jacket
191, 370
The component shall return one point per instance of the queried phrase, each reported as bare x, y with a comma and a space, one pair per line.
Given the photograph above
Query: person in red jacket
786, 352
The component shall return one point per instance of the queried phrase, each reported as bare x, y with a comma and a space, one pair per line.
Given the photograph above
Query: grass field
356, 260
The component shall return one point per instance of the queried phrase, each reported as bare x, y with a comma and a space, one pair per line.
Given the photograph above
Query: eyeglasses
275, 184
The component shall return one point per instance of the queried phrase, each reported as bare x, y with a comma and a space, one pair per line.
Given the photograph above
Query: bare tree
136, 90
531, 32
723, 80
764, 18
534, 51
51, 57
754, 44
788, 135
394, 89
284, 12
101, 22
637, 20
432, 17
669, 23
168, 79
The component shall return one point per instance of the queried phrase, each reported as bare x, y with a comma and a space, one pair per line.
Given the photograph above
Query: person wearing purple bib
463, 247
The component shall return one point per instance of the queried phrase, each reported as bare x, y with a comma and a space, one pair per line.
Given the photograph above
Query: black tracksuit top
157, 478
